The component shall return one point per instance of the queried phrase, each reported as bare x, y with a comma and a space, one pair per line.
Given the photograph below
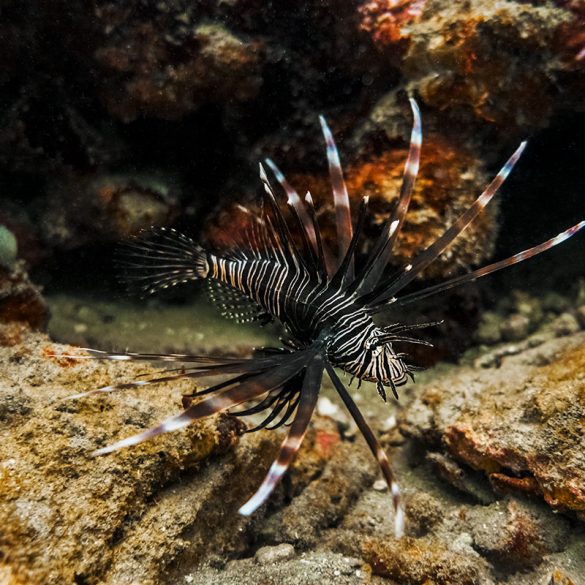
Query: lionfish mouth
301, 282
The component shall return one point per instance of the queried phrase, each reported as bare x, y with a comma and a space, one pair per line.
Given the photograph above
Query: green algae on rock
8, 247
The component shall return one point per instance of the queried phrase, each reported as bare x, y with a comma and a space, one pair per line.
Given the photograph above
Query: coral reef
386, 20
572, 35
167, 63
457, 52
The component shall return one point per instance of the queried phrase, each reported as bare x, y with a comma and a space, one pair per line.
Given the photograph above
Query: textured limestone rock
415, 561
455, 52
519, 421
169, 63
166, 511
107, 207
67, 517
518, 535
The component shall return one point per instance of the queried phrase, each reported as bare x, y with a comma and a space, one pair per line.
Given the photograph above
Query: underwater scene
292, 292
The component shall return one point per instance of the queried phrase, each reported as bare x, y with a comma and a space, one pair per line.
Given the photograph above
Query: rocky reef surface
489, 454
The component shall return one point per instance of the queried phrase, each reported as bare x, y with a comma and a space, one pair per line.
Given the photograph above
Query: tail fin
160, 258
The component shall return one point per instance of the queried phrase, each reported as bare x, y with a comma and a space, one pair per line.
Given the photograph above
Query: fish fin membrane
159, 258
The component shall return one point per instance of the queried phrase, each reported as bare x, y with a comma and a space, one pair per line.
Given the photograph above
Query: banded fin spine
382, 250
342, 274
340, 197
485, 270
294, 200
291, 444
221, 399
389, 287
375, 448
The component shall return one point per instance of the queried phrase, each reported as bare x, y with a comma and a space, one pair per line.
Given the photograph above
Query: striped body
310, 310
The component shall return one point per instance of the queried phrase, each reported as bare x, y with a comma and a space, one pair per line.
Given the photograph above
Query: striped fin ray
391, 286
234, 304
203, 371
304, 222
287, 242
247, 389
211, 367
282, 405
325, 257
340, 196
382, 250
375, 448
485, 270
96, 354
308, 399
276, 402
159, 258
252, 233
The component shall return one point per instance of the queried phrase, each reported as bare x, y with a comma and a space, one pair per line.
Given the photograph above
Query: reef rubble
518, 419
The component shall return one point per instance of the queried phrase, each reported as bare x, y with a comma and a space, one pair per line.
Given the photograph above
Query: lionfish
325, 302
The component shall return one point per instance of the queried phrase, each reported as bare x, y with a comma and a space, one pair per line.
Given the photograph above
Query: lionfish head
381, 363
373, 359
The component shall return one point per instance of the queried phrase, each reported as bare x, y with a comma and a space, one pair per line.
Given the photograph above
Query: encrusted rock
69, 517
457, 51
108, 207
423, 511
514, 534
465, 480
580, 315
555, 302
489, 330
169, 63
20, 300
516, 327
565, 324
328, 497
415, 561
519, 423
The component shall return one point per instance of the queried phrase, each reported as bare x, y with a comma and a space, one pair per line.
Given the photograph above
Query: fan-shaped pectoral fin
308, 399
241, 391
